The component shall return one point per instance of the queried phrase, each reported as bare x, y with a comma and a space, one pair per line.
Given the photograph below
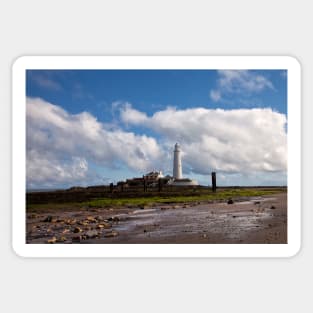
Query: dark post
160, 184
111, 187
213, 181
122, 187
144, 185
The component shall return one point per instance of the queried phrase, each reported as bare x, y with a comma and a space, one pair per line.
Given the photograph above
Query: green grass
149, 200
178, 199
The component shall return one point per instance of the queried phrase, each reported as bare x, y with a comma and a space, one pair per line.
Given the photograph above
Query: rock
76, 239
77, 230
142, 207
111, 234
144, 230
113, 219
83, 223
33, 215
272, 207
204, 235
230, 201
91, 233
91, 219
48, 219
70, 222
257, 202
52, 240
61, 239
104, 225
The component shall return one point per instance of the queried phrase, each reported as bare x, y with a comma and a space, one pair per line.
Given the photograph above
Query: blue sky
130, 107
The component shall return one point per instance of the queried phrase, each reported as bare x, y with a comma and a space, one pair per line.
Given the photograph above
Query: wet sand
252, 220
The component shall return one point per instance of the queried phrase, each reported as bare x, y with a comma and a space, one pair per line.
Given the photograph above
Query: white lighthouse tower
177, 168
178, 179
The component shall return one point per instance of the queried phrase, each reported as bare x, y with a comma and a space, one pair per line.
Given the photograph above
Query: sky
93, 127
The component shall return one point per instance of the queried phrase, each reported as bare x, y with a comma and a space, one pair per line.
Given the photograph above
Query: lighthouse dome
177, 146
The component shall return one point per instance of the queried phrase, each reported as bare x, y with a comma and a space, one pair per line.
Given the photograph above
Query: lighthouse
177, 168
178, 179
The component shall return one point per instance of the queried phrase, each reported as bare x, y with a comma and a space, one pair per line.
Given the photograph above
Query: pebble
48, 219
52, 240
113, 219
83, 223
91, 219
76, 239
61, 239
91, 233
70, 222
104, 225
111, 234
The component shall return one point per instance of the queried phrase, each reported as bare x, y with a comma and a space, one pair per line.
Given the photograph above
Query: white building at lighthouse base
183, 182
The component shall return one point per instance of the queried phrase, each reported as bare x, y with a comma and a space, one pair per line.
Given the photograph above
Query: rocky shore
253, 220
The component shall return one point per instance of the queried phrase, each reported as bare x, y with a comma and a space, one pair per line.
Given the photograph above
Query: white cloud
44, 170
242, 82
46, 82
250, 144
132, 116
215, 95
60, 145
230, 141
